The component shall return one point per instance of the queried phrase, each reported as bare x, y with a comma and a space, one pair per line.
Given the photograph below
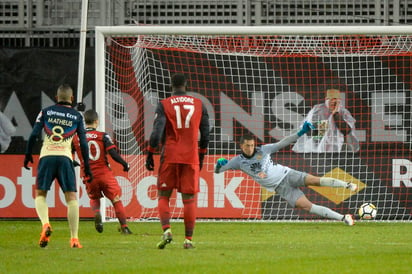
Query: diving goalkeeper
257, 163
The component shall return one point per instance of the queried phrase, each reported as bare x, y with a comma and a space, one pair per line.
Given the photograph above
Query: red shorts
106, 185
183, 177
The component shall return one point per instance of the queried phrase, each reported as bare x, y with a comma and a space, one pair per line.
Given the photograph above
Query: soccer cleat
125, 230
98, 222
45, 235
188, 244
352, 187
74, 243
166, 239
348, 219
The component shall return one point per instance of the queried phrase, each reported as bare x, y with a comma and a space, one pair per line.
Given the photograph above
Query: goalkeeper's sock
73, 217
332, 182
325, 212
164, 211
42, 209
189, 216
120, 212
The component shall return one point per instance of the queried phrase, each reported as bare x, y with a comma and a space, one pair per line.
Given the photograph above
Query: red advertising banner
221, 195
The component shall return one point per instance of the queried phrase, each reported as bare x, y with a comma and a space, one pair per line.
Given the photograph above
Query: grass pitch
367, 247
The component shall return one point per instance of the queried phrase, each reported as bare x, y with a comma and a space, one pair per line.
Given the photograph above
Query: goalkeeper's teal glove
220, 162
306, 127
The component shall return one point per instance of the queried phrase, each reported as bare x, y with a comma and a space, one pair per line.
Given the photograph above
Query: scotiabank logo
17, 191
225, 195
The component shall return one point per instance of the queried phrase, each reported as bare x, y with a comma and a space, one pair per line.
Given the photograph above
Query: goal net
265, 82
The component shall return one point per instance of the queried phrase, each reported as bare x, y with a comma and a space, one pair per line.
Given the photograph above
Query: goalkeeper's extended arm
306, 127
219, 163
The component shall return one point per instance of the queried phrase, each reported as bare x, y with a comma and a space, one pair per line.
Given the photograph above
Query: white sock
332, 182
325, 212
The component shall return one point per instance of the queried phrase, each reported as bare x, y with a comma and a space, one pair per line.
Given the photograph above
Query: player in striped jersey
60, 123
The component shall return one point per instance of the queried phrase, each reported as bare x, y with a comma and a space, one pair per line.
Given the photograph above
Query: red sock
164, 212
189, 217
120, 212
95, 205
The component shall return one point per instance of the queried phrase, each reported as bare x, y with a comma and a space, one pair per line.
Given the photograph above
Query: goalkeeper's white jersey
260, 166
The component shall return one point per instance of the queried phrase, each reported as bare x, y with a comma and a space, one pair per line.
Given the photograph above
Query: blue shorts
56, 167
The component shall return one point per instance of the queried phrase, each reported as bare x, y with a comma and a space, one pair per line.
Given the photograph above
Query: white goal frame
101, 32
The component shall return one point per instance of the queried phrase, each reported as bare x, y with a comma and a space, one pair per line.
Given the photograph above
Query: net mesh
266, 86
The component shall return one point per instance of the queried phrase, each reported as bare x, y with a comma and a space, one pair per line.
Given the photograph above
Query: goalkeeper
257, 163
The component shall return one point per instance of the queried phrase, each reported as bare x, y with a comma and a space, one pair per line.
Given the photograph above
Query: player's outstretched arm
306, 127
219, 163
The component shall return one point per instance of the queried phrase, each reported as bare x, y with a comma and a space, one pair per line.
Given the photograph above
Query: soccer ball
367, 211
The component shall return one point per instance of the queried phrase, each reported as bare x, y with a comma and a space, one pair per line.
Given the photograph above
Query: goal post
264, 80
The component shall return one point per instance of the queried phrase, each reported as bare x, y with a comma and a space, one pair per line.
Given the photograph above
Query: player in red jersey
104, 182
178, 120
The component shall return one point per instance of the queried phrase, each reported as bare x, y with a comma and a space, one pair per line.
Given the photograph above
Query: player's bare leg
164, 215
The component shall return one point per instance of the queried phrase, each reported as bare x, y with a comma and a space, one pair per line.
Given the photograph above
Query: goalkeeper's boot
125, 230
352, 187
188, 244
74, 243
166, 239
98, 224
348, 219
45, 235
